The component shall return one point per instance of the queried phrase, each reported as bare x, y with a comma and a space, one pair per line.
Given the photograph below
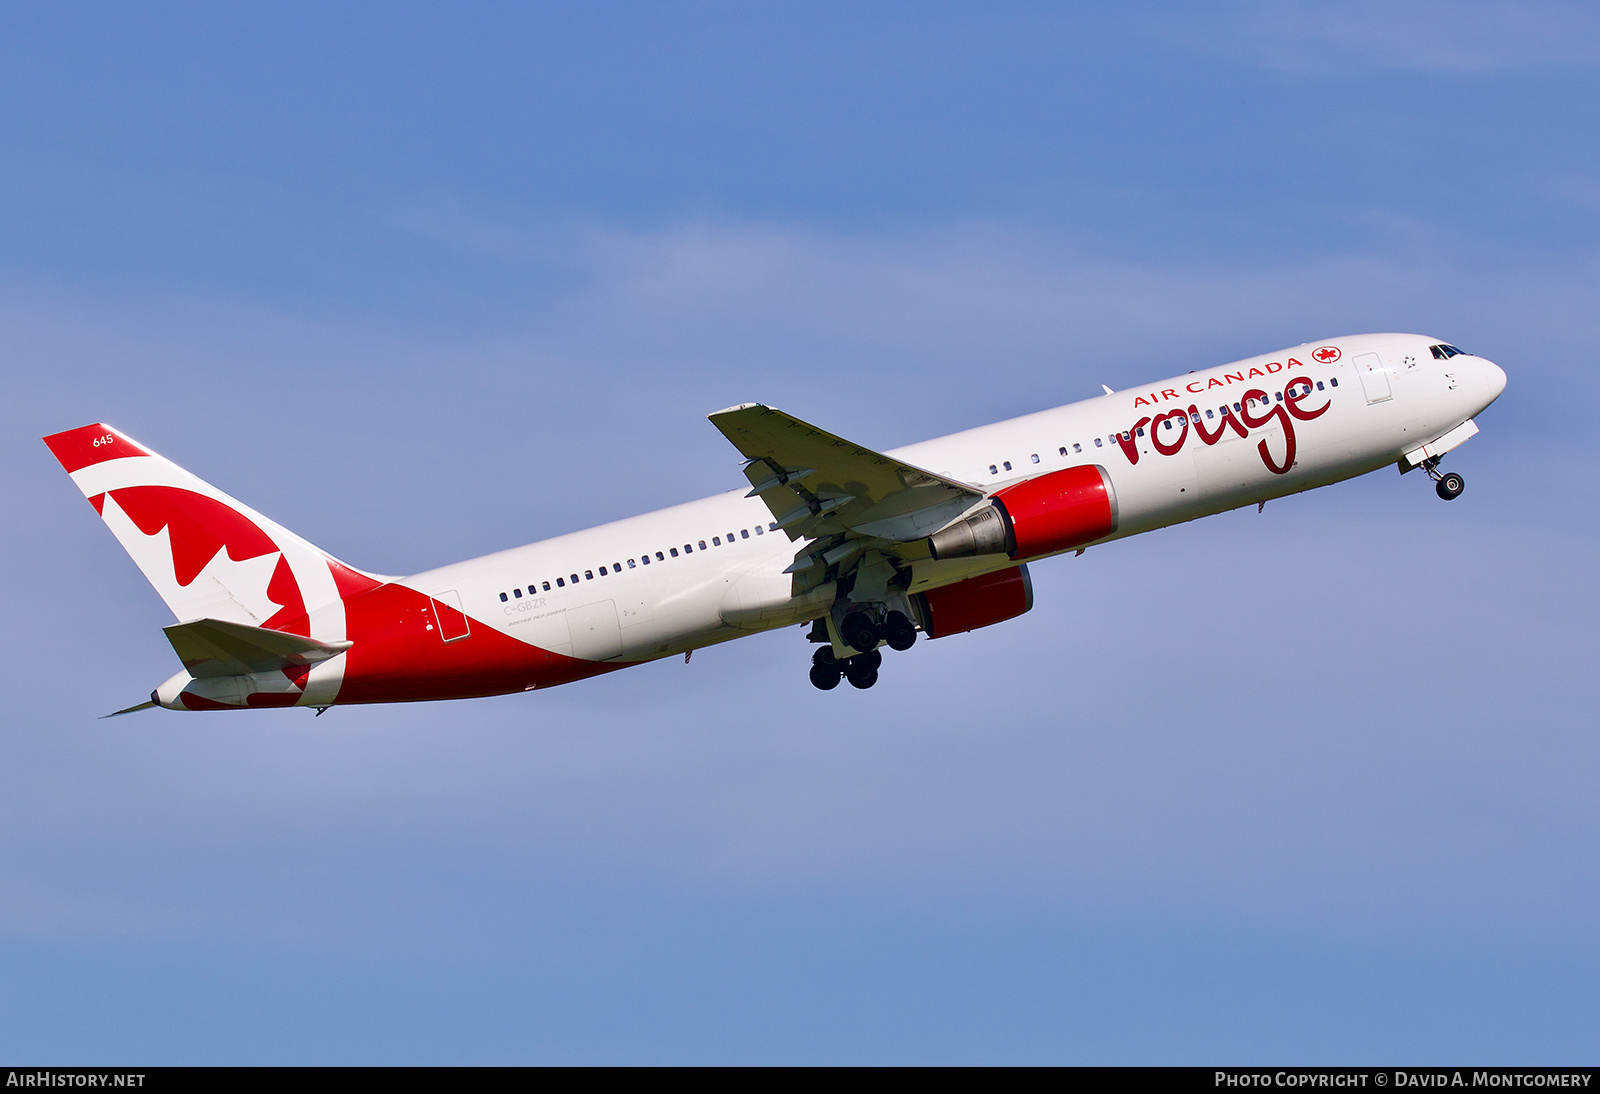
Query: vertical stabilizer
208, 556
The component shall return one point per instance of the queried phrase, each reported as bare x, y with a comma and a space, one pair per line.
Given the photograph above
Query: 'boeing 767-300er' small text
863, 548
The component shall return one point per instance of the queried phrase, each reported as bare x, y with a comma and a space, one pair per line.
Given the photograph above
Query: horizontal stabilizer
215, 647
146, 705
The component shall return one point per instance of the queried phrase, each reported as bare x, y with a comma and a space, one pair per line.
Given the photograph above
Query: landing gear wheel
899, 632
824, 656
1450, 486
827, 677
873, 659
859, 632
861, 678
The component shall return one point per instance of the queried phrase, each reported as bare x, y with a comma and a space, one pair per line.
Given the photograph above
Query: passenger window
773, 527
1209, 414
533, 588
1278, 395
546, 586
1319, 385
516, 593
630, 564
1007, 465
730, 537
1140, 431
561, 583
588, 575
1077, 448
674, 552
1333, 381
758, 529
504, 597
993, 470
1063, 450
1097, 443
574, 579
602, 571
660, 559
744, 533
1036, 457
616, 567
1238, 408
716, 541
645, 559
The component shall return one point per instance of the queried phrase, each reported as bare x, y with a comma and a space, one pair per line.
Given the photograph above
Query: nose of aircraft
1494, 380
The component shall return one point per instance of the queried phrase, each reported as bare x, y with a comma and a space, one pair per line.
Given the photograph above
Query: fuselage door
1374, 377
449, 617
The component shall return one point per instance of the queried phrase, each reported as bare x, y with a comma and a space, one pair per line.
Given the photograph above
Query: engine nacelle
975, 602
1041, 516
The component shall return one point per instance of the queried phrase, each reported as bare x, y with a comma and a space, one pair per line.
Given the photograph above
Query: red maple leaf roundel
1325, 355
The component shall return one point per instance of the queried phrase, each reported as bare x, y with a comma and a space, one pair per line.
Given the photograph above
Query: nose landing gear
1448, 486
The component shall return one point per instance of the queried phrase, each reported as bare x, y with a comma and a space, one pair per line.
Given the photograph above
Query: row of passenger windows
642, 560
995, 469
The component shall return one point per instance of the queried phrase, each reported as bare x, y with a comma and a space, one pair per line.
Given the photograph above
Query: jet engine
975, 602
1041, 516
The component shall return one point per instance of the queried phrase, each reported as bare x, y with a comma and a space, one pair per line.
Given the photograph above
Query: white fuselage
715, 569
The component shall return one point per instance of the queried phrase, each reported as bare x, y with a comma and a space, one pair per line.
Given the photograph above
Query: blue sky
1314, 785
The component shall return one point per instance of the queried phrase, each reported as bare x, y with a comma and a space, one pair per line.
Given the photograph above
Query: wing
819, 485
857, 510
213, 647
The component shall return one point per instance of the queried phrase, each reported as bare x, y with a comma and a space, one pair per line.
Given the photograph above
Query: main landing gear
863, 635
861, 670
1449, 485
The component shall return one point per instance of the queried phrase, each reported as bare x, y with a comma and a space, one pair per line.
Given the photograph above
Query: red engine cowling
975, 602
1053, 512
1063, 509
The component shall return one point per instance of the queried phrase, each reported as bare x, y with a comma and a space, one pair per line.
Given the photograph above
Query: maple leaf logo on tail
208, 556
207, 561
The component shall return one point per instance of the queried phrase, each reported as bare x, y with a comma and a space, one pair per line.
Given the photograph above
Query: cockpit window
1443, 352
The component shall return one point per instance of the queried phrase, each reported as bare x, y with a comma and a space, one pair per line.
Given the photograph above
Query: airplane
863, 549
